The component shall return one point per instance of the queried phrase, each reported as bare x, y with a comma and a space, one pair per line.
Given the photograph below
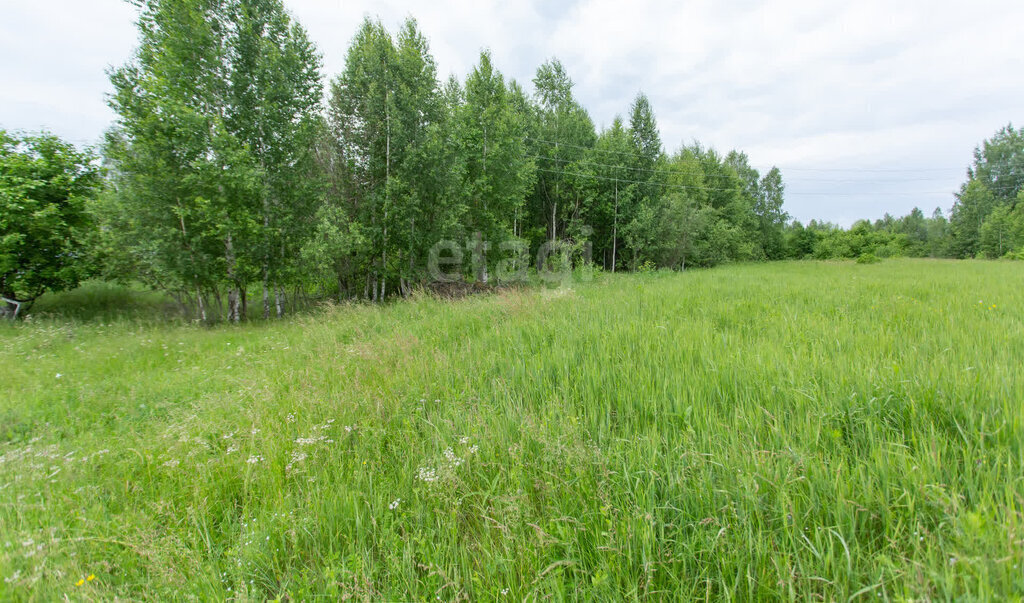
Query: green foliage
999, 163
910, 236
45, 187
605, 181
225, 176
987, 219
224, 173
491, 134
563, 131
1003, 230
994, 183
276, 94
973, 205
796, 431
868, 258
770, 215
643, 129
647, 267
100, 302
394, 159
211, 158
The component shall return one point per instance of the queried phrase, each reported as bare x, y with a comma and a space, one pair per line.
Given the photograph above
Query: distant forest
233, 172
987, 220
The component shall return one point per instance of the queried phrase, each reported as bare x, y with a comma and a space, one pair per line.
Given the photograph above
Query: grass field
798, 430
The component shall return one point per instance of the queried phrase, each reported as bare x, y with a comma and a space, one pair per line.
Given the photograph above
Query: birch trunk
234, 307
201, 305
266, 295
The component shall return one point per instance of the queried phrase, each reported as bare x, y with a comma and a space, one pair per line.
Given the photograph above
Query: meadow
796, 430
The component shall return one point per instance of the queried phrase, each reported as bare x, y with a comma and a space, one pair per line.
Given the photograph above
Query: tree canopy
229, 174
45, 187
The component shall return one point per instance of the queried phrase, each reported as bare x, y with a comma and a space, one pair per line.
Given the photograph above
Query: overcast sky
868, 106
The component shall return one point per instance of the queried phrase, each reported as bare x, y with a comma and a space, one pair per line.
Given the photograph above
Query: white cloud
907, 86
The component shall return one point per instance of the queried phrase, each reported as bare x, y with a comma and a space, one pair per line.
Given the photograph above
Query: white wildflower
290, 418
252, 460
171, 464
426, 474
394, 504
453, 460
311, 441
473, 449
464, 440
232, 448
297, 457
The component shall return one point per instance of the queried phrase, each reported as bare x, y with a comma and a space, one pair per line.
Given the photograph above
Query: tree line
986, 221
227, 176
234, 177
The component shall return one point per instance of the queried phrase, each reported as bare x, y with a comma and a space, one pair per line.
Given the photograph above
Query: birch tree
498, 171
275, 98
215, 114
386, 113
565, 131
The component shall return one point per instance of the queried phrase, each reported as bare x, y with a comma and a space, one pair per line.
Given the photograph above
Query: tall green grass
798, 430
97, 301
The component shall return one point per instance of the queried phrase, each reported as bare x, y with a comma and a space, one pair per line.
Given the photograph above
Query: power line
626, 181
708, 188
669, 171
788, 169
871, 170
1008, 188
675, 171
